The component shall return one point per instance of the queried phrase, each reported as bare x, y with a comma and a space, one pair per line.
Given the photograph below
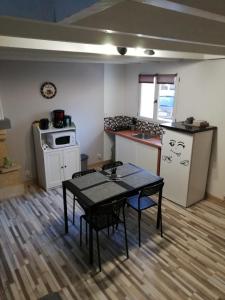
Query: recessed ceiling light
139, 51
149, 52
109, 31
109, 49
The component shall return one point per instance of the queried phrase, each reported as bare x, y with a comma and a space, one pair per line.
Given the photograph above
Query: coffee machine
58, 118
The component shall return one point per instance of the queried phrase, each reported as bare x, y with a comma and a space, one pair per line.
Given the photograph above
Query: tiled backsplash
124, 122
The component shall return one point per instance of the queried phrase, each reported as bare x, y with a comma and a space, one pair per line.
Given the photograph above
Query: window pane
164, 87
147, 100
166, 101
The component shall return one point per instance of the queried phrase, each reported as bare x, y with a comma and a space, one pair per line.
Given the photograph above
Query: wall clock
48, 90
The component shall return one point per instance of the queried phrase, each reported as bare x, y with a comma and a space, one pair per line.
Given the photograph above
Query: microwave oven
61, 139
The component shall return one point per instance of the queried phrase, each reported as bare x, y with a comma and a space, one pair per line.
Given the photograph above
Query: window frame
139, 102
156, 105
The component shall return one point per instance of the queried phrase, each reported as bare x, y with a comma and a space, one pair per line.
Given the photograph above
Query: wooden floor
36, 258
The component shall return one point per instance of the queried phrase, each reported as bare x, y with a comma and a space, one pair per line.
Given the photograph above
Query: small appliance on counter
200, 123
67, 121
134, 123
61, 139
195, 123
189, 120
58, 118
44, 124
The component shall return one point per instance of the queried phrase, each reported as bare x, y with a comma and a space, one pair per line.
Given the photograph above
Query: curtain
165, 79
160, 78
146, 78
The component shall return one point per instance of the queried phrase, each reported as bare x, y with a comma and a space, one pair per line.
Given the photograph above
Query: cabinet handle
62, 167
65, 166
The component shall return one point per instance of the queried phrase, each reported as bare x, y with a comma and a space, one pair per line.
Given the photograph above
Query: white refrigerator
184, 166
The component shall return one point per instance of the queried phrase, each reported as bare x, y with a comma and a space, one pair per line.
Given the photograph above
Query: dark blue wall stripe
46, 10
66, 8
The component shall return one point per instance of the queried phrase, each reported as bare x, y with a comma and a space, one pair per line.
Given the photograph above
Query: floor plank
36, 258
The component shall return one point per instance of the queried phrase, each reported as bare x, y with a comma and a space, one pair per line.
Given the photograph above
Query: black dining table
102, 187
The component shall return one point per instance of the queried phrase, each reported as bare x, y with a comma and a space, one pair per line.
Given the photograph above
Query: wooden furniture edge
149, 142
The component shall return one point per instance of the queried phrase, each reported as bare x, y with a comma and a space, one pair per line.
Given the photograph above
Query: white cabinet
139, 154
54, 165
54, 168
184, 165
147, 157
175, 165
71, 159
125, 150
60, 165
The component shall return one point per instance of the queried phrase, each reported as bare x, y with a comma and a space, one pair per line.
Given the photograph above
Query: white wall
114, 96
114, 92
80, 93
200, 93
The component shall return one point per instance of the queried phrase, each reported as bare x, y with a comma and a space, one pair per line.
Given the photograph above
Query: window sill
158, 121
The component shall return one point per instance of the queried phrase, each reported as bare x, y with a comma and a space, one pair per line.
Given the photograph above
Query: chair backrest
112, 165
108, 214
110, 209
82, 173
151, 190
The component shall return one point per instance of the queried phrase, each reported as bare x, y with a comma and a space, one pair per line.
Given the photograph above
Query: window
157, 97
166, 101
147, 100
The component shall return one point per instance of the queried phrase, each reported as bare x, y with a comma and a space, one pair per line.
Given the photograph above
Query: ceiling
177, 29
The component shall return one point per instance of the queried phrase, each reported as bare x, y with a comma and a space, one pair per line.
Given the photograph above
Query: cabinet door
125, 150
71, 159
175, 165
54, 168
147, 157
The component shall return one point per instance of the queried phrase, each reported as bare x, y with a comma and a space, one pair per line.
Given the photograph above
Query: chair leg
125, 232
74, 209
98, 249
108, 225
86, 238
139, 228
81, 231
161, 225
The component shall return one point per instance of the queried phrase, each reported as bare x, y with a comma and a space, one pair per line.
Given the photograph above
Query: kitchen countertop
180, 126
153, 142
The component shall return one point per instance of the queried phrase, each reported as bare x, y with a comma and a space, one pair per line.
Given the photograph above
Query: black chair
104, 216
76, 175
142, 201
114, 164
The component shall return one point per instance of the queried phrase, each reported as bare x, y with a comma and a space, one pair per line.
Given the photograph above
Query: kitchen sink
144, 136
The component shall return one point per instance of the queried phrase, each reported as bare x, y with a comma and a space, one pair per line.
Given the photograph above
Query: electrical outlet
27, 173
99, 156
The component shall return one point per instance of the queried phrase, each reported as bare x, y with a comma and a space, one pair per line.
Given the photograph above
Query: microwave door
62, 140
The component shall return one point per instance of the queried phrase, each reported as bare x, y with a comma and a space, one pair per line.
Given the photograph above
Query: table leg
90, 239
65, 209
159, 209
